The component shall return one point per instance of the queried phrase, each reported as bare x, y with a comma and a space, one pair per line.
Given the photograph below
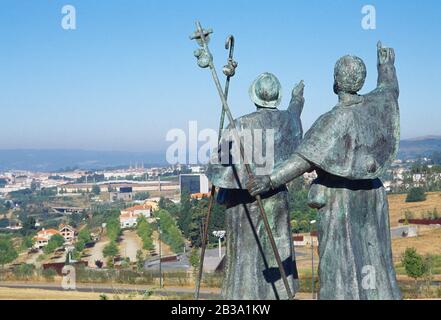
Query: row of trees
171, 234
145, 232
113, 229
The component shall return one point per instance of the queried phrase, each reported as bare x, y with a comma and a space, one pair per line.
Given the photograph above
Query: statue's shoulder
380, 94
336, 117
261, 118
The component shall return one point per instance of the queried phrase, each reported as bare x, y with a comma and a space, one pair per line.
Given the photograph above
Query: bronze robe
351, 146
251, 271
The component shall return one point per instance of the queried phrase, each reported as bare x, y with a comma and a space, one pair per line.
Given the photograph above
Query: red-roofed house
199, 196
129, 216
43, 236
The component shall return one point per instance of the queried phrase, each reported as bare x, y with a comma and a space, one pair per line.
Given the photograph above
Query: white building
129, 217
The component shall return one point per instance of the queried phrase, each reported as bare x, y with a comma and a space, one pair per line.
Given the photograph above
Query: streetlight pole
220, 235
311, 223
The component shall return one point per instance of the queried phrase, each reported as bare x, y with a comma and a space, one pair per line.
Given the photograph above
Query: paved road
107, 288
181, 265
96, 253
130, 244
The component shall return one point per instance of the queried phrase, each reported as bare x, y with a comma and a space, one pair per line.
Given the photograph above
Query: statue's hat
266, 91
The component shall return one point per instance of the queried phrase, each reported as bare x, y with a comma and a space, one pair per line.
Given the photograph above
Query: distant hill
423, 146
56, 160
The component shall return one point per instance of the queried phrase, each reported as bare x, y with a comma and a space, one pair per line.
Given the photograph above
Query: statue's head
266, 91
349, 74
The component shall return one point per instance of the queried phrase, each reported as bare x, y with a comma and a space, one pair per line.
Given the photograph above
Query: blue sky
127, 75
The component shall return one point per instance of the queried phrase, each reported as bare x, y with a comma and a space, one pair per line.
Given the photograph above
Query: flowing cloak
351, 146
251, 271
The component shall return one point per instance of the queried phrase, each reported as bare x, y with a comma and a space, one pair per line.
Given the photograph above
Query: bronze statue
251, 271
350, 147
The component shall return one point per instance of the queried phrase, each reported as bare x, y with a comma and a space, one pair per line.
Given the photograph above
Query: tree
110, 250
7, 252
139, 260
162, 204
113, 228
28, 241
80, 245
194, 258
171, 234
298, 205
416, 195
145, 232
198, 215
29, 224
54, 243
217, 220
84, 235
141, 196
184, 218
96, 190
413, 264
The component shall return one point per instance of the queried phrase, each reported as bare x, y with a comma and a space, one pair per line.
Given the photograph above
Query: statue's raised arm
297, 100
387, 75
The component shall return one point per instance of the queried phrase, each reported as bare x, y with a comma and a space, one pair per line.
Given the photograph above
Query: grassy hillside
398, 206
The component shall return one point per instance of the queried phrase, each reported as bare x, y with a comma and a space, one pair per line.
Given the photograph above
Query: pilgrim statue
349, 148
251, 271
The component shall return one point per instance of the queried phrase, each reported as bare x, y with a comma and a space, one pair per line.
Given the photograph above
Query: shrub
49, 274
408, 215
416, 195
24, 271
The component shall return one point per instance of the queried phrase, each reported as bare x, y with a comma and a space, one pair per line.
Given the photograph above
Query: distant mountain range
423, 146
58, 160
